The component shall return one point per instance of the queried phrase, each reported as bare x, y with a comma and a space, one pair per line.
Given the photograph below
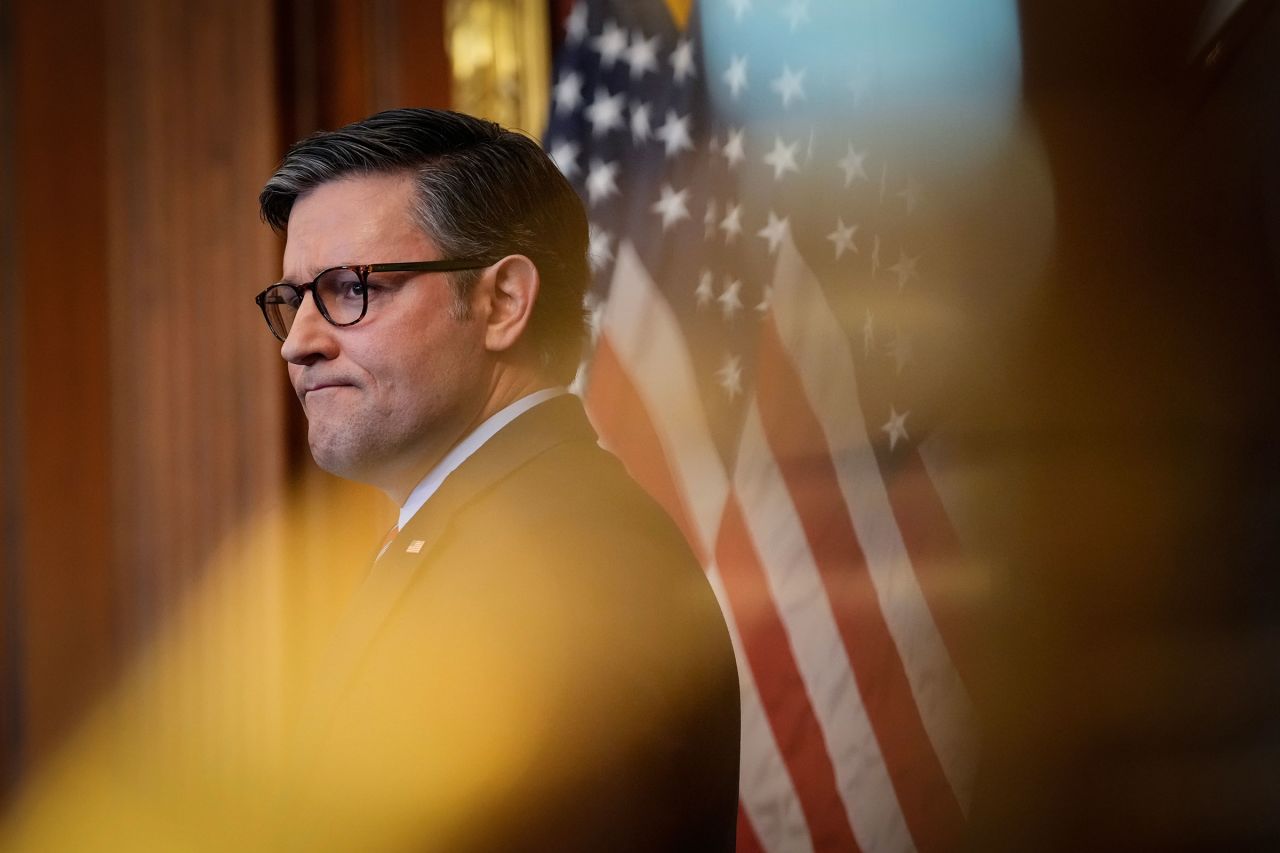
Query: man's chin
337, 459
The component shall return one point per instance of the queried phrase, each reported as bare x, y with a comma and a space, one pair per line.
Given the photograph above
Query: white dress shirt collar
428, 485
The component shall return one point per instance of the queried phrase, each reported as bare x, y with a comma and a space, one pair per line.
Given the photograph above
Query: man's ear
511, 298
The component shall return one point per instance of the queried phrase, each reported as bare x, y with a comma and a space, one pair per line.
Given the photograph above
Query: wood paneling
423, 67
143, 417
66, 583
341, 60
196, 411
10, 433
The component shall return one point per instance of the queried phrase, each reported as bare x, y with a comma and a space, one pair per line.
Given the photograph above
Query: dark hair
483, 191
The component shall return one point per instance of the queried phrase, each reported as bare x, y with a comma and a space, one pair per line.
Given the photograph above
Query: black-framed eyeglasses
342, 293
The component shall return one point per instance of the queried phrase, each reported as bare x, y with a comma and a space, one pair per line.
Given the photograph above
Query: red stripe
621, 418
748, 841
781, 688
796, 438
935, 556
619, 415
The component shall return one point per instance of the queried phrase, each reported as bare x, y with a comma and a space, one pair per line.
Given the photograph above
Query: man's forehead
379, 199
354, 219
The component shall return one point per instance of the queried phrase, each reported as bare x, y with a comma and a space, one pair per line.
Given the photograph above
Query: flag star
674, 134
740, 8
851, 165
602, 181
709, 220
640, 126
730, 300
568, 92
605, 112
735, 76
911, 195
642, 55
796, 12
610, 44
905, 268
705, 290
731, 225
763, 305
842, 237
782, 158
730, 376
565, 155
896, 428
774, 231
599, 248
790, 84
673, 206
868, 333
900, 350
732, 149
682, 65
575, 26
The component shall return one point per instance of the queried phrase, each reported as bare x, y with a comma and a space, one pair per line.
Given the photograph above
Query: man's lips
321, 386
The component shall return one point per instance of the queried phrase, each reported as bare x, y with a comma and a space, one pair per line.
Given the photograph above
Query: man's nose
310, 338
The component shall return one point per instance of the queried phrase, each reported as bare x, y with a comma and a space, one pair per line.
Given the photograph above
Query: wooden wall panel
198, 400
341, 60
10, 433
143, 421
421, 72
66, 624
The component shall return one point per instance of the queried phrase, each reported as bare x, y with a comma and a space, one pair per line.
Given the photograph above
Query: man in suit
535, 661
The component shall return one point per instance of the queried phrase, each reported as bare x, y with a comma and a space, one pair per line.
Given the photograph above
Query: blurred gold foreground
210, 743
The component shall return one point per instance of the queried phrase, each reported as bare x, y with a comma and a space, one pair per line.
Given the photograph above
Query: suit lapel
546, 425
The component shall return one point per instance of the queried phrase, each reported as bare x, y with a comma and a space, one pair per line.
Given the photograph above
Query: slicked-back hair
482, 191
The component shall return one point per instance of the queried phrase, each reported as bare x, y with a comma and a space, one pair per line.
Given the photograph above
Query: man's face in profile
379, 394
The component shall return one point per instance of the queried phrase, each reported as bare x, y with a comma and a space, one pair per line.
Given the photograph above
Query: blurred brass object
499, 53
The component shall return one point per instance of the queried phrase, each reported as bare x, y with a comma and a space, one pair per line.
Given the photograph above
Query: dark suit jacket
536, 663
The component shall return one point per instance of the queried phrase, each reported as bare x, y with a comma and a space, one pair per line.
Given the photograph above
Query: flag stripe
932, 812
770, 796
623, 423
796, 584
748, 841
809, 345
646, 335
620, 398
782, 691
930, 539
767, 791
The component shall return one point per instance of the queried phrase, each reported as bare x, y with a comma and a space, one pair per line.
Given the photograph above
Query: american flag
762, 363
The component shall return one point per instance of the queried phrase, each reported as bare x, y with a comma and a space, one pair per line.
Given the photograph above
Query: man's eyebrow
311, 274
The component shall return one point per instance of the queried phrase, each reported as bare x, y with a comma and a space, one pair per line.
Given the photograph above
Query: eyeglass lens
341, 295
